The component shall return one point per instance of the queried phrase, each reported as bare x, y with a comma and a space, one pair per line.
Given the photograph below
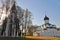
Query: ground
29, 38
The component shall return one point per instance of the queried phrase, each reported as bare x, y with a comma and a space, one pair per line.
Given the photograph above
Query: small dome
46, 18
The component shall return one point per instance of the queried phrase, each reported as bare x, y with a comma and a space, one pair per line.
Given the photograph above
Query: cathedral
11, 23
14, 20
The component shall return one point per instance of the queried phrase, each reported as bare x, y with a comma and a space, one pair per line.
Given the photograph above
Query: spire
46, 18
45, 13
14, 1
14, 5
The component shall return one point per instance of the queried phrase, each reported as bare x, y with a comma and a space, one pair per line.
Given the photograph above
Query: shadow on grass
16, 38
20, 38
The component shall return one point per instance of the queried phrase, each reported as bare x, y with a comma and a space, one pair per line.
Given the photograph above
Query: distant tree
30, 30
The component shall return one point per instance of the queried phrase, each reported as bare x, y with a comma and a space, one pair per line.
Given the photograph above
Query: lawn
42, 38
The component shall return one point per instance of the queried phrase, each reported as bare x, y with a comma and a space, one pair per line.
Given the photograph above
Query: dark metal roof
46, 18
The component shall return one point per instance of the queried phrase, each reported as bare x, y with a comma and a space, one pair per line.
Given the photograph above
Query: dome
46, 18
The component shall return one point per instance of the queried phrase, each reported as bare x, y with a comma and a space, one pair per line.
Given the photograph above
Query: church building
47, 25
47, 29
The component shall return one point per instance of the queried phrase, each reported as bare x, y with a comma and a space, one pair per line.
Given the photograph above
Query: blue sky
41, 7
38, 8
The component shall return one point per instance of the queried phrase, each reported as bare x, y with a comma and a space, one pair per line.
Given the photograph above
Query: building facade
16, 20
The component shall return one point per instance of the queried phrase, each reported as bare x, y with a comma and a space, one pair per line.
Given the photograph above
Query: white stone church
47, 29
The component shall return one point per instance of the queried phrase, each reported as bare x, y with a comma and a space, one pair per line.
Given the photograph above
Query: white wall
50, 32
46, 21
